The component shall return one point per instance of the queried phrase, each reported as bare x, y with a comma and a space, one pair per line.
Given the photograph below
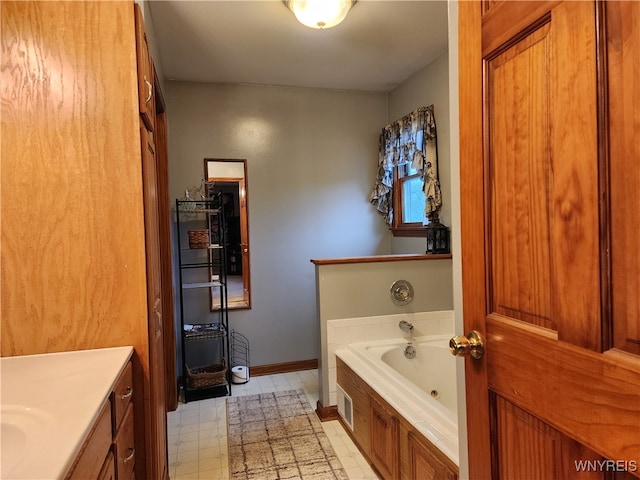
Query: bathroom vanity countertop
49, 403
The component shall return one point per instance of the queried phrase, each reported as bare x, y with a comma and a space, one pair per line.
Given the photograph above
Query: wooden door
157, 434
549, 179
164, 237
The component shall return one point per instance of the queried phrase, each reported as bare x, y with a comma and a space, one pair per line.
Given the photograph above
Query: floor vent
345, 406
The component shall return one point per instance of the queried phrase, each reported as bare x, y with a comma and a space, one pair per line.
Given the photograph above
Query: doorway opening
230, 178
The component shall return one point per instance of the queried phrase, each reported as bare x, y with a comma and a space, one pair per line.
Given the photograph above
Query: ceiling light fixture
320, 14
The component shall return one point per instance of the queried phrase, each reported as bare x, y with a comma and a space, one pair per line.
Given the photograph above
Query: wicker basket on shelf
207, 376
198, 238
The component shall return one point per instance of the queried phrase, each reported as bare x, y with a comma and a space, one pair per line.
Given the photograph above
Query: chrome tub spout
406, 327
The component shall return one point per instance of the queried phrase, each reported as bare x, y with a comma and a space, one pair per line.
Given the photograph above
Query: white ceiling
380, 44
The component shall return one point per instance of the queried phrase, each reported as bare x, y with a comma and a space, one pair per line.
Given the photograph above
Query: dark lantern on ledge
437, 236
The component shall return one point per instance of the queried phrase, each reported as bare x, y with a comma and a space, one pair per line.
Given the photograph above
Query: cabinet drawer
91, 458
121, 397
108, 471
125, 446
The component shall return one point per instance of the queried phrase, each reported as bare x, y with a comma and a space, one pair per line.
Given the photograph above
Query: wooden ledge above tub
380, 258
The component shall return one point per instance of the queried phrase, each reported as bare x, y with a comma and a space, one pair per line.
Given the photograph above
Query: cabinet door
146, 98
424, 463
122, 395
90, 460
384, 440
125, 447
158, 412
108, 471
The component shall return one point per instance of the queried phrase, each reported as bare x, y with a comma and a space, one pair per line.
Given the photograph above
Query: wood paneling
125, 447
380, 258
385, 440
90, 460
359, 393
531, 449
506, 21
623, 48
527, 447
260, 370
394, 447
579, 397
108, 471
543, 171
426, 462
570, 398
575, 261
519, 110
73, 265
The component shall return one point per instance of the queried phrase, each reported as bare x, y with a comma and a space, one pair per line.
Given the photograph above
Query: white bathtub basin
435, 418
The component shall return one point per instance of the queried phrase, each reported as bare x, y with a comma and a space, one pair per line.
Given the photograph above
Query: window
408, 202
407, 190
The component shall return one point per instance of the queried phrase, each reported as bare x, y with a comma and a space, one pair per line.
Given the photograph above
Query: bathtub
422, 389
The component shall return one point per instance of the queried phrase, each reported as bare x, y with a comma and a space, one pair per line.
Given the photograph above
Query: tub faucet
406, 327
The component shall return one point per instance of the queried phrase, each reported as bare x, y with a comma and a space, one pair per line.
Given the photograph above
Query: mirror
230, 178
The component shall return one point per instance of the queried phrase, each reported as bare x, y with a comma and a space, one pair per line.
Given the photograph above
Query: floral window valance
412, 139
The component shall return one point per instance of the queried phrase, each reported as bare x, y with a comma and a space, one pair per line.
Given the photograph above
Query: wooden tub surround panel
393, 447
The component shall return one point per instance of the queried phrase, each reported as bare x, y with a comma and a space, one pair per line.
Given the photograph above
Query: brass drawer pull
130, 457
128, 394
150, 89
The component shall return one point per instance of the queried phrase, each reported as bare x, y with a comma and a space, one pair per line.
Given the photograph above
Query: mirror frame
243, 301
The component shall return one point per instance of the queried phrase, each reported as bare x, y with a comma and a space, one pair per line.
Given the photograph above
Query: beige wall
362, 290
311, 161
429, 86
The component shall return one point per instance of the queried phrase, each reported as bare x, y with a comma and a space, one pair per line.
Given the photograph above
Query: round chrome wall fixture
401, 292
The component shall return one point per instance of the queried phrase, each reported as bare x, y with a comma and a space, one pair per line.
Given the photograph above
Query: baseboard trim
326, 414
287, 367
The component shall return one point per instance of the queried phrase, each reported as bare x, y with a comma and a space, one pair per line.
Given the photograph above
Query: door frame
456, 237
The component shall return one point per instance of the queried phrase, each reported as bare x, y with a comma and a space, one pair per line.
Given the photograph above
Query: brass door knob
472, 344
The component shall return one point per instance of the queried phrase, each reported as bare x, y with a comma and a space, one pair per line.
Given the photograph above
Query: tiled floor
198, 431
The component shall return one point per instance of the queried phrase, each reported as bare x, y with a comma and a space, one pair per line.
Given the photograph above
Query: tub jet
409, 351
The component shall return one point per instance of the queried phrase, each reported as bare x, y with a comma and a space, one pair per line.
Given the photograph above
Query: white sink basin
49, 403
22, 429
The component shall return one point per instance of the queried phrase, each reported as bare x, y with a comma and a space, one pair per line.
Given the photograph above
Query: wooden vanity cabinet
90, 462
124, 447
109, 451
108, 471
395, 449
123, 425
